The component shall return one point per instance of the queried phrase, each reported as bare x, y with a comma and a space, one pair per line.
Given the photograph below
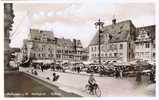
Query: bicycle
96, 90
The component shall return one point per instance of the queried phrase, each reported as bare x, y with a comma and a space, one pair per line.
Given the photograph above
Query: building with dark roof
42, 46
69, 51
118, 32
118, 42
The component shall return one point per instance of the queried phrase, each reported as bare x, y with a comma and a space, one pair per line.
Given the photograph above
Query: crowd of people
116, 71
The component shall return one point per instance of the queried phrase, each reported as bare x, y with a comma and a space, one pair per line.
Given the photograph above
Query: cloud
64, 30
76, 20
21, 31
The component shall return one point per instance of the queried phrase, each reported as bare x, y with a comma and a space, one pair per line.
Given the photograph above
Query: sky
75, 20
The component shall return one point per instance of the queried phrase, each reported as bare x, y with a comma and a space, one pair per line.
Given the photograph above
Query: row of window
62, 51
107, 55
42, 55
68, 51
58, 56
43, 49
143, 45
59, 51
41, 39
144, 54
64, 57
111, 47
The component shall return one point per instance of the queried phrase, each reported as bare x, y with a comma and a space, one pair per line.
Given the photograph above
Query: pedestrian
138, 77
78, 69
121, 73
32, 71
55, 77
42, 68
34, 66
35, 72
152, 77
116, 73
53, 67
47, 78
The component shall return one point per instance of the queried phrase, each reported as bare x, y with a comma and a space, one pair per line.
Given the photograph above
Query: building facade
118, 43
8, 21
44, 47
145, 43
69, 51
39, 46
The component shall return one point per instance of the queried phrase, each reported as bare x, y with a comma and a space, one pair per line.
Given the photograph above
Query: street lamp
99, 25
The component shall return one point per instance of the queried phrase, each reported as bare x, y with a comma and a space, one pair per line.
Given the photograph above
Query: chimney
75, 45
56, 40
114, 21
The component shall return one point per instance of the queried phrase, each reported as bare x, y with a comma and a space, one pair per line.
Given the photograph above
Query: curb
52, 86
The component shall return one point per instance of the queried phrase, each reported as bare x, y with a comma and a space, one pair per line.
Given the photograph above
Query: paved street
109, 86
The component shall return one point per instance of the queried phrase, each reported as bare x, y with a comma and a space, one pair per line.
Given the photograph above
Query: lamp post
99, 25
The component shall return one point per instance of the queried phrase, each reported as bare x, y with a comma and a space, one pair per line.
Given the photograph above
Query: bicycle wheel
97, 92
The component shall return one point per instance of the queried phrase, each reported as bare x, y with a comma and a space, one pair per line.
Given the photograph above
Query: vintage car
95, 68
106, 71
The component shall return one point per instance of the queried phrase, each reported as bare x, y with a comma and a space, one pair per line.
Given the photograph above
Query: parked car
108, 72
130, 73
95, 68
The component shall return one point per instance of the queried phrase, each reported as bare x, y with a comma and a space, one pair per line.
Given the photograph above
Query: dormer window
148, 34
114, 21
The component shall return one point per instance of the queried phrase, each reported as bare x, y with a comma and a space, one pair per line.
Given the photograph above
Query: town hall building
121, 42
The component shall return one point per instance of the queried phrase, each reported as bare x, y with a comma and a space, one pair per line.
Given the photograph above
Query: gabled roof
68, 43
117, 33
64, 42
149, 29
36, 33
